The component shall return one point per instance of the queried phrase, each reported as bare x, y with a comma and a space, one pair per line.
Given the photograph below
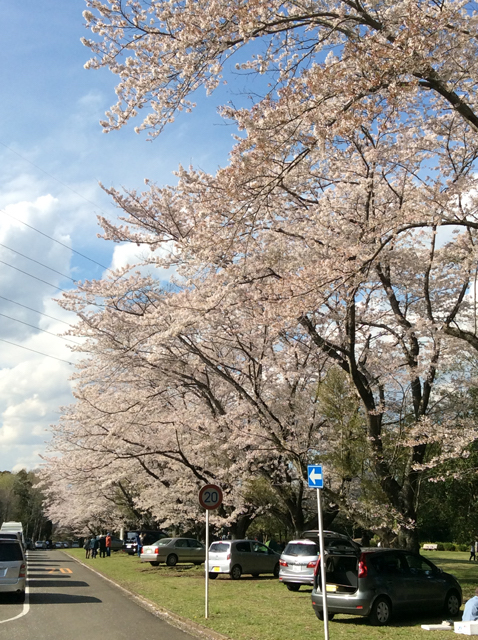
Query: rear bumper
14, 587
355, 604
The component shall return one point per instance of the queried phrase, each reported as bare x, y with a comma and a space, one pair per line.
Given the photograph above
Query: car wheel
20, 597
236, 572
320, 615
213, 576
276, 570
172, 560
154, 563
292, 586
381, 613
452, 603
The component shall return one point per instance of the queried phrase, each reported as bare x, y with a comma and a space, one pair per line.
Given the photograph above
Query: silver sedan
174, 550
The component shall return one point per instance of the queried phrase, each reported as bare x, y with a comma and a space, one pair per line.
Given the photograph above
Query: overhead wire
34, 351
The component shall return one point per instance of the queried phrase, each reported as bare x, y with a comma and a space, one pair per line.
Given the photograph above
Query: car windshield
298, 549
10, 552
162, 542
220, 547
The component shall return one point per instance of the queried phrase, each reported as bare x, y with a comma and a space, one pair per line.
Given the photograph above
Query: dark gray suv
380, 582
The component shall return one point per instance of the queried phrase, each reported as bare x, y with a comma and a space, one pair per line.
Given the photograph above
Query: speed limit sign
210, 497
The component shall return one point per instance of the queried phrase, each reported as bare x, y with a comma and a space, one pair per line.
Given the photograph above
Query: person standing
94, 549
472, 552
87, 548
470, 611
139, 544
108, 544
102, 544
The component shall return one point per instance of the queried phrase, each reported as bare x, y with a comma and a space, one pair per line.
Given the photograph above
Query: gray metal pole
322, 567
206, 564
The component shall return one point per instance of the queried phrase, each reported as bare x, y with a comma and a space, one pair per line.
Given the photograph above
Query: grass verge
262, 608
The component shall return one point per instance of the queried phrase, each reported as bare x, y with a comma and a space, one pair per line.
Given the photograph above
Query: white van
14, 527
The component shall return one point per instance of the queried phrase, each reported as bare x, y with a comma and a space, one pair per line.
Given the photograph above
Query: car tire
20, 597
154, 563
381, 612
452, 603
213, 576
292, 586
320, 615
236, 572
276, 570
172, 560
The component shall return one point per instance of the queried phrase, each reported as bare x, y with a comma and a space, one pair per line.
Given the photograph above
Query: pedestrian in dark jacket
102, 543
87, 547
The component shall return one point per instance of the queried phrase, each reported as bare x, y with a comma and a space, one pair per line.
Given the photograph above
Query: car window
10, 552
181, 543
388, 563
296, 549
243, 547
418, 565
257, 547
163, 542
220, 547
195, 544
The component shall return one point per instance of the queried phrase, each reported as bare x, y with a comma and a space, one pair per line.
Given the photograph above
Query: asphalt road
66, 601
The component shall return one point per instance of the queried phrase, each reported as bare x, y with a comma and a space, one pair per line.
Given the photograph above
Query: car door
182, 550
263, 562
242, 555
393, 578
428, 587
196, 550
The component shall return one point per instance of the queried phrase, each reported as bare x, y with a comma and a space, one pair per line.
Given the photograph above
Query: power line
51, 176
38, 329
37, 262
55, 240
32, 276
35, 310
38, 352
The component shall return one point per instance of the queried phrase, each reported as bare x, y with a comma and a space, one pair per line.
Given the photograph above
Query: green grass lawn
262, 608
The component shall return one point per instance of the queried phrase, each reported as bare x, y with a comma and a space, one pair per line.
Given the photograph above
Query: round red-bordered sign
210, 496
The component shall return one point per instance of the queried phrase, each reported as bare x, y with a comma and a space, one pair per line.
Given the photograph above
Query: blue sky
53, 154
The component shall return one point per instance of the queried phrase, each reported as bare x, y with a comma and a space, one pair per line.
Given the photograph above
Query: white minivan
237, 557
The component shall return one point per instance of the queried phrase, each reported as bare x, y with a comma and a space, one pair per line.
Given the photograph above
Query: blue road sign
314, 475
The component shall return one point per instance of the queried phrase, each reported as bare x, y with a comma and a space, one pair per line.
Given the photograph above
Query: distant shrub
462, 547
449, 546
440, 546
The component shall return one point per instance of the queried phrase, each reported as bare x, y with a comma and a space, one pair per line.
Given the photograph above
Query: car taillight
228, 556
316, 570
312, 564
156, 550
362, 567
23, 570
283, 563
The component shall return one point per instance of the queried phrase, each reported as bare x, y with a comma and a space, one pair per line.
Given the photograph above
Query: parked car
379, 583
12, 568
237, 557
149, 536
76, 545
298, 560
58, 545
174, 550
40, 544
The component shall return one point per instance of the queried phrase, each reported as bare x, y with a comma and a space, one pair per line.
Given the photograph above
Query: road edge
185, 624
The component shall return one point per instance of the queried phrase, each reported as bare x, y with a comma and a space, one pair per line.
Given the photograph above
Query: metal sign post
210, 497
316, 481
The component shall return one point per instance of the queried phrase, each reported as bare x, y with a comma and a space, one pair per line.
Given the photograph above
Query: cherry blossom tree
340, 237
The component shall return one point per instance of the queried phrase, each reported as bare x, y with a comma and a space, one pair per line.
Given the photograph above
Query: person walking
87, 548
94, 548
108, 544
472, 552
139, 544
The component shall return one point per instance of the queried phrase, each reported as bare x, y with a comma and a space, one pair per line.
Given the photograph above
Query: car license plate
297, 567
331, 587
216, 569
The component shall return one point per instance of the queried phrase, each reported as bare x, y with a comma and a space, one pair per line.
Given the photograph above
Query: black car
148, 536
379, 583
